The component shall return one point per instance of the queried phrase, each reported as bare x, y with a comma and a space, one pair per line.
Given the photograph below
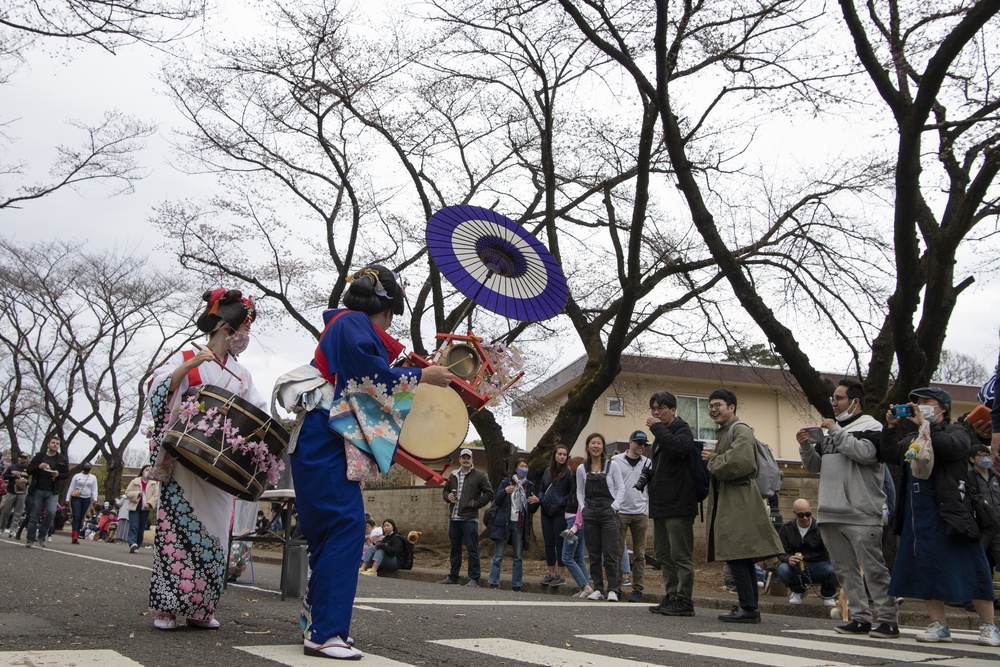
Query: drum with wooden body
215, 461
437, 423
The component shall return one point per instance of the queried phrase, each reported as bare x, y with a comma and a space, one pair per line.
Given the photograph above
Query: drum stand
470, 364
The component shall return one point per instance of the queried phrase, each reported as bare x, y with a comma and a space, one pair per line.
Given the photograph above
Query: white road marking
132, 565
962, 645
438, 602
77, 658
893, 654
710, 651
293, 657
965, 662
536, 654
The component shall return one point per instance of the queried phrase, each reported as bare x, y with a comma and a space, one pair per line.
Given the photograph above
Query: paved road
85, 605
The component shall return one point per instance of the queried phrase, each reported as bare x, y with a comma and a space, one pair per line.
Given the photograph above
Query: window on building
694, 410
615, 406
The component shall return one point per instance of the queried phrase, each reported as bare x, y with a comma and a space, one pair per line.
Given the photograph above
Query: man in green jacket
739, 527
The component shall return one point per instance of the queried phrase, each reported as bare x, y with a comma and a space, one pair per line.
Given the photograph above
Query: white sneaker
612, 596
829, 602
989, 635
795, 598
595, 595
934, 633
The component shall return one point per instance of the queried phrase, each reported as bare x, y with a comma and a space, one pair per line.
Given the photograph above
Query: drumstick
455, 363
216, 360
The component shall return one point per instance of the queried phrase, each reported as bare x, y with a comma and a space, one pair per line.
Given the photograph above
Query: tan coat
739, 524
134, 495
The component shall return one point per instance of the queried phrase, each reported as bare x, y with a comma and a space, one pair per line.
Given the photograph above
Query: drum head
463, 361
438, 422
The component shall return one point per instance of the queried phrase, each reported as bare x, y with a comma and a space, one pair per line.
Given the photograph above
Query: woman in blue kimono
351, 422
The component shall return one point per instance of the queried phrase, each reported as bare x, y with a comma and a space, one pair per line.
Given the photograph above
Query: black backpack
699, 472
407, 563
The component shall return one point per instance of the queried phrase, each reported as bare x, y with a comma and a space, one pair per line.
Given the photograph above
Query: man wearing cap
673, 503
632, 515
467, 491
15, 477
851, 508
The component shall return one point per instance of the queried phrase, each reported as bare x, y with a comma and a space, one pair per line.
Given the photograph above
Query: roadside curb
910, 614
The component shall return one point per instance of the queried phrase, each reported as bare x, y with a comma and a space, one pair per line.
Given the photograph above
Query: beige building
768, 400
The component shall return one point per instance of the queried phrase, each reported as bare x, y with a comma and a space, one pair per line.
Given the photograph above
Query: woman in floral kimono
193, 516
351, 422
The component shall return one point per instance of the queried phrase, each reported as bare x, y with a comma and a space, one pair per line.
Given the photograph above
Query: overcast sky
53, 87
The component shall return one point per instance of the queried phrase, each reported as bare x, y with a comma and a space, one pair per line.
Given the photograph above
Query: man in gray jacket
851, 504
467, 491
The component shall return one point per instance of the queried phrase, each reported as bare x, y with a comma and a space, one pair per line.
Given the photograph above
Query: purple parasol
496, 263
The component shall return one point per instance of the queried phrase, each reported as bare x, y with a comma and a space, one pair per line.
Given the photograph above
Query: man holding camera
673, 503
851, 508
632, 515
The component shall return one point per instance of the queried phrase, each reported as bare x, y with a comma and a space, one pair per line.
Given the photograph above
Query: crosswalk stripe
951, 647
829, 647
292, 656
710, 651
964, 662
536, 654
77, 658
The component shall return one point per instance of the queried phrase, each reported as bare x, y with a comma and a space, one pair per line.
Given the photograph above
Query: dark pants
745, 577
464, 531
79, 506
600, 530
817, 572
42, 500
552, 527
28, 504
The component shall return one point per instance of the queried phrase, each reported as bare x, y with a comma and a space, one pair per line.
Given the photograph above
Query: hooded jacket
672, 489
850, 474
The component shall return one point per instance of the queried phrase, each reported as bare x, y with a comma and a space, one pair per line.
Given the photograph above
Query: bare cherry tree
84, 330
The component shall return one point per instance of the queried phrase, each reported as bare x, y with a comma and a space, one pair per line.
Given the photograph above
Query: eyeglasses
803, 515
716, 406
837, 399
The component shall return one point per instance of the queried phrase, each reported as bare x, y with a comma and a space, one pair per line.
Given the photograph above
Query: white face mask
846, 414
928, 412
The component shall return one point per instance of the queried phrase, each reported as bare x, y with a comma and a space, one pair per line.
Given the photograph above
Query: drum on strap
438, 422
200, 443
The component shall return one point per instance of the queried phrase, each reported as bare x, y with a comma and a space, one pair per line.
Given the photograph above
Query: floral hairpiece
371, 273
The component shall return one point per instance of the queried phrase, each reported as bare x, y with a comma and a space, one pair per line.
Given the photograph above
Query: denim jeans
385, 563
79, 506
573, 557
517, 543
137, 526
464, 532
816, 572
42, 500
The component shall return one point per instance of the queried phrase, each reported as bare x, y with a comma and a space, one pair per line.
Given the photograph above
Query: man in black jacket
806, 558
468, 490
673, 503
47, 470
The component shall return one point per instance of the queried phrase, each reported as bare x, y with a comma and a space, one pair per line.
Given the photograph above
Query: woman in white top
80, 495
600, 491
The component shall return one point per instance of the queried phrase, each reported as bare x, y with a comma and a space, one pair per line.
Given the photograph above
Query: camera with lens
644, 477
